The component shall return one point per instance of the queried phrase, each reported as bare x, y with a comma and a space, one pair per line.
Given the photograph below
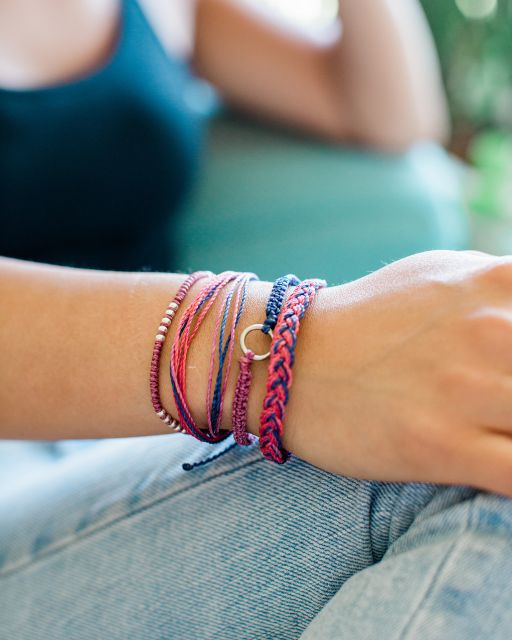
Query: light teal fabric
273, 203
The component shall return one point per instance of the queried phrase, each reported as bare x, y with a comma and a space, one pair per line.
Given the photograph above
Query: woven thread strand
282, 358
160, 337
236, 298
276, 300
241, 401
242, 390
188, 328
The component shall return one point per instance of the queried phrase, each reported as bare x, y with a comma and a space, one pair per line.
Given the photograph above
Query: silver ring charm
246, 331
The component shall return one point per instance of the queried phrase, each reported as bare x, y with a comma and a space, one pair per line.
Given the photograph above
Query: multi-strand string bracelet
281, 324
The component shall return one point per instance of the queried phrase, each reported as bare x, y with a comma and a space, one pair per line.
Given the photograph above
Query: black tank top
91, 170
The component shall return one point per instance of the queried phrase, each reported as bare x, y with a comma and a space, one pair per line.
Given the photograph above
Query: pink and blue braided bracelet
279, 381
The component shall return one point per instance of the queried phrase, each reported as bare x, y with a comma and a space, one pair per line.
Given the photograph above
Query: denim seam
393, 516
66, 542
374, 487
407, 628
394, 513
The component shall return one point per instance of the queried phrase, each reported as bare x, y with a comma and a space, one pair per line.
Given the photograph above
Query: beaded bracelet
242, 390
280, 369
160, 337
283, 318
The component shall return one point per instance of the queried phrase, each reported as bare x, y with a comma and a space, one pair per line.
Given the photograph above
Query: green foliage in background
476, 57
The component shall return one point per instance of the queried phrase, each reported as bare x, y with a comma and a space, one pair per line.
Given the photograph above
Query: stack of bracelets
281, 324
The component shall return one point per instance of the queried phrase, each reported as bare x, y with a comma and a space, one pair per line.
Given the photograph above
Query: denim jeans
115, 541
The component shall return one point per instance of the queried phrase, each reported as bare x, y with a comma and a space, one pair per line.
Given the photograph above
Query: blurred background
474, 42
262, 189
424, 199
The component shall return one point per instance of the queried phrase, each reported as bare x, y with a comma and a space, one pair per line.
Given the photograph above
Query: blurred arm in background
375, 81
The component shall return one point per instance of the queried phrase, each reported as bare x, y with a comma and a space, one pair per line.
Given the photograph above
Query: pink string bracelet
229, 314
279, 381
235, 300
189, 326
242, 390
160, 337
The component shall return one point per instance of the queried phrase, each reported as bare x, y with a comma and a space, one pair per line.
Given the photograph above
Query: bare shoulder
48, 41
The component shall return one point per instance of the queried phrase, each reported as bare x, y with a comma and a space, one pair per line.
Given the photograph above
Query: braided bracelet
282, 354
242, 390
160, 337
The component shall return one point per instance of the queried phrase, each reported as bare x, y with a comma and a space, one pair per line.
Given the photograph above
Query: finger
490, 334
485, 399
486, 463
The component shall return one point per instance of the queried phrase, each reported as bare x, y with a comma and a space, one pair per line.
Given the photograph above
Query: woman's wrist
198, 360
86, 360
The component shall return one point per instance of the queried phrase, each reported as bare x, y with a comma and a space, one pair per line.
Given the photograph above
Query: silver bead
170, 313
162, 329
166, 321
167, 420
159, 337
173, 305
162, 414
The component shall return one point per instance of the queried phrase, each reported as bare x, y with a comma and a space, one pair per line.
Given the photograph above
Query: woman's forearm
389, 74
403, 375
376, 80
76, 348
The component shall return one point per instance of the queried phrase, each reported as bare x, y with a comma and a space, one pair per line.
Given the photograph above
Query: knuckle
497, 273
489, 325
488, 333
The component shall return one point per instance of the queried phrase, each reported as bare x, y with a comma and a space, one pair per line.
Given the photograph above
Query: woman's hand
406, 374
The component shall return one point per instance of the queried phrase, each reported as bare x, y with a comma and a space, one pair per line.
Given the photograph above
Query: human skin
403, 375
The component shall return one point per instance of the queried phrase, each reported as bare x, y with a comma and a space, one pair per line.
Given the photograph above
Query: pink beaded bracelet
160, 337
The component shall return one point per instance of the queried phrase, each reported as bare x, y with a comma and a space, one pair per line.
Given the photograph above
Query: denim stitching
65, 543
